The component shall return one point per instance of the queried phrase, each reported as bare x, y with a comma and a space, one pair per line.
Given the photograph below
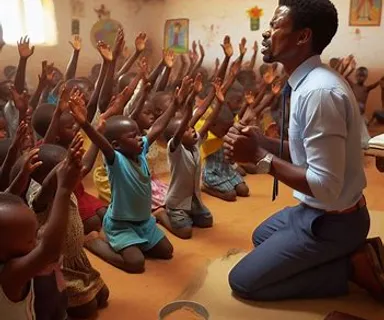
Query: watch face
263, 167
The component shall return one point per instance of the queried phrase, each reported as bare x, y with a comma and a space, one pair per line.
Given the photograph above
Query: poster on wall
254, 15
77, 8
176, 35
365, 13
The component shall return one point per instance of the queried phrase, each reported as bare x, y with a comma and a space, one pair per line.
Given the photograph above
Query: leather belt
360, 204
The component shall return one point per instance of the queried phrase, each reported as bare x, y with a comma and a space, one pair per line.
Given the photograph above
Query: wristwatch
264, 165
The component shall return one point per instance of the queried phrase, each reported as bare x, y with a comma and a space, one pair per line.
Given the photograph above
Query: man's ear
305, 36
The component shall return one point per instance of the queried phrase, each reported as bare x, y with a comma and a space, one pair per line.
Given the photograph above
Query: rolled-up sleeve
324, 138
12, 117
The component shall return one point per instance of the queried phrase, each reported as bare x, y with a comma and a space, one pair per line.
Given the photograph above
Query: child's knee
134, 260
102, 297
183, 233
167, 250
84, 311
242, 190
92, 224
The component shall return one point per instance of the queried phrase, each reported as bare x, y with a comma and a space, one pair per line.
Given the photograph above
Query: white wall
134, 15
229, 17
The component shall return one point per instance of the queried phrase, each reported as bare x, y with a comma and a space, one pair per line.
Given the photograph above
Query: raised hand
194, 47
21, 134
184, 89
353, 64
249, 98
218, 90
31, 162
47, 72
21, 101
217, 63
105, 51
76, 42
192, 56
201, 49
119, 44
141, 41
143, 66
276, 87
169, 58
64, 97
235, 68
227, 47
242, 48
78, 108
25, 51
69, 171
198, 83
255, 47
269, 75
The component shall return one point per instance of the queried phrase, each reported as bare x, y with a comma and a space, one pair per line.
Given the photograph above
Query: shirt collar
303, 70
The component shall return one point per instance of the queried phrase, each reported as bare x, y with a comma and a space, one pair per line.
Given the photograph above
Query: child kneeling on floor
129, 227
183, 203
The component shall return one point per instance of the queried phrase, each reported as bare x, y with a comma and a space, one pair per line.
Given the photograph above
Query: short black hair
42, 118
318, 15
362, 69
50, 155
115, 126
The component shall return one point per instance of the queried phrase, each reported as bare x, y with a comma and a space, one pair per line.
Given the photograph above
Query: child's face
190, 137
361, 77
130, 143
146, 117
220, 129
3, 128
20, 238
67, 130
234, 101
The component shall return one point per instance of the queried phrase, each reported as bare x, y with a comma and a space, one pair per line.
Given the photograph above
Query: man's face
280, 41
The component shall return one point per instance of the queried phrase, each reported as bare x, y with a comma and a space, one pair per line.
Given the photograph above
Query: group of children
51, 140
346, 67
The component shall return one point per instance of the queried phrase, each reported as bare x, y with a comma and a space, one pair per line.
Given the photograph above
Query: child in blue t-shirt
129, 227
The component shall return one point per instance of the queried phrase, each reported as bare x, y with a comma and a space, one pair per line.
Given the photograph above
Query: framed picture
365, 13
176, 35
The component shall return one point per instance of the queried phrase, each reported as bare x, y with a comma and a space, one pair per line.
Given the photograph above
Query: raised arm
231, 78
47, 74
199, 63
25, 51
70, 73
242, 50
106, 54
139, 104
252, 63
216, 109
107, 87
193, 58
21, 101
77, 107
18, 272
184, 122
140, 43
12, 155
156, 72
374, 85
228, 51
169, 60
161, 123
20, 183
216, 71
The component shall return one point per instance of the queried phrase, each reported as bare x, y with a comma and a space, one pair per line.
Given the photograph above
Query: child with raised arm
183, 203
86, 291
22, 255
129, 227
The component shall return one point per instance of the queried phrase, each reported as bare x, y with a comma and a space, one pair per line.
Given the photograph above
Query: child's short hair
50, 155
246, 78
223, 122
125, 79
170, 130
115, 126
42, 118
4, 147
362, 69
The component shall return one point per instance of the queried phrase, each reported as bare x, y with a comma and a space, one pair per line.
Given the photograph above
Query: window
35, 18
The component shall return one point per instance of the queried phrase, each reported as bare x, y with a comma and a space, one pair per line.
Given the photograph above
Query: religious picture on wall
77, 8
255, 14
176, 35
365, 13
75, 27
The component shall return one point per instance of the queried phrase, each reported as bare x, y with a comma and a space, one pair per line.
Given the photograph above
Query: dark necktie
286, 95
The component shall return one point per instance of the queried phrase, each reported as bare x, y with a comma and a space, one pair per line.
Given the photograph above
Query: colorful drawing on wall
255, 14
176, 35
365, 12
212, 32
77, 8
105, 30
